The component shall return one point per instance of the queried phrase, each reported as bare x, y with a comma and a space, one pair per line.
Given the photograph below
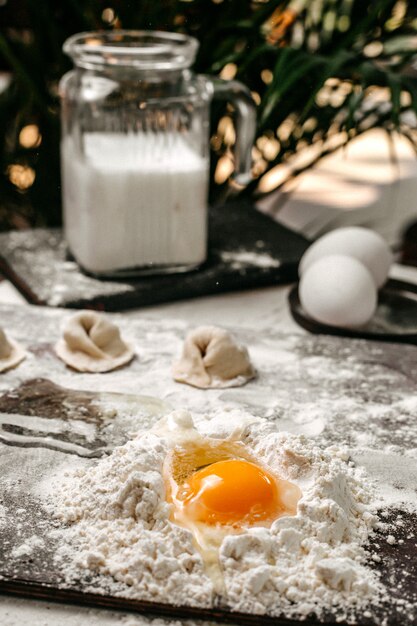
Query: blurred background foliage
320, 71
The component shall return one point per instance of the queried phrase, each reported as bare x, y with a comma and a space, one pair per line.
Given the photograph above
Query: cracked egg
219, 487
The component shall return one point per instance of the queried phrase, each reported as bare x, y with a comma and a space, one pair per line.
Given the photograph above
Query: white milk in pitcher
134, 200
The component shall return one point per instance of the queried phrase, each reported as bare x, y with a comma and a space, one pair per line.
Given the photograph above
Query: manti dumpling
11, 353
91, 343
211, 358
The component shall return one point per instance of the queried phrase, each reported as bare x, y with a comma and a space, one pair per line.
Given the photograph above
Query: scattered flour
246, 258
335, 391
3, 515
27, 548
117, 526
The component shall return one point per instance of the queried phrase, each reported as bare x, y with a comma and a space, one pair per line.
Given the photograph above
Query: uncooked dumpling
91, 343
11, 353
212, 358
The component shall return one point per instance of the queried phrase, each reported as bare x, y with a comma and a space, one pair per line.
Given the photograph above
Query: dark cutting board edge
36, 591
283, 276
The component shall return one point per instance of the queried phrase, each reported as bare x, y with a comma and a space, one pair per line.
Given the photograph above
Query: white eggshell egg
339, 291
357, 242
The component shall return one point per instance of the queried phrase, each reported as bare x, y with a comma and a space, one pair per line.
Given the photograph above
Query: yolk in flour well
223, 484
218, 488
229, 492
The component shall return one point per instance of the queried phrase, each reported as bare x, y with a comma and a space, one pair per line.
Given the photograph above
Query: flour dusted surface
119, 528
334, 391
313, 561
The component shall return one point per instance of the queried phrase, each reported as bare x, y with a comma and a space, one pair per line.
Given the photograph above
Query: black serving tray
395, 319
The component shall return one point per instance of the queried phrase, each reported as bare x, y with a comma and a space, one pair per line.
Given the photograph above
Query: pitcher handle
239, 95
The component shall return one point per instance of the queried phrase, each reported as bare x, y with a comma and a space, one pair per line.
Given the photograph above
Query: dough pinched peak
212, 358
91, 343
11, 353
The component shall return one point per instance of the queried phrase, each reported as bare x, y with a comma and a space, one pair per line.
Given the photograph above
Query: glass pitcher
135, 151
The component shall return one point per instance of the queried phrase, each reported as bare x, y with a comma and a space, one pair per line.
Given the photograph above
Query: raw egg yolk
230, 491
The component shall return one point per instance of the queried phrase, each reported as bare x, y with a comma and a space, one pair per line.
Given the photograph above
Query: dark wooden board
37, 576
246, 250
377, 375
41, 591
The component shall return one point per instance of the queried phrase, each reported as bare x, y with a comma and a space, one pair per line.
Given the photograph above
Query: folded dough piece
91, 343
11, 352
211, 358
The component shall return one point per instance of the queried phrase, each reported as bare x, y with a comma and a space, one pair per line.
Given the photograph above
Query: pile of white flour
117, 526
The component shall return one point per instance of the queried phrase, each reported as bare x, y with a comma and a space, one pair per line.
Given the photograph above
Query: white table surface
259, 308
